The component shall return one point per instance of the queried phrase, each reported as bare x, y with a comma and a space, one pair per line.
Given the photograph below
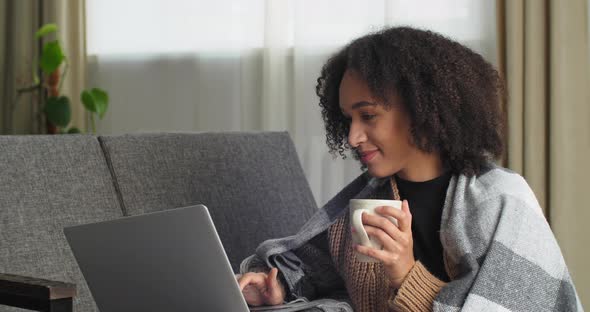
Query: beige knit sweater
368, 286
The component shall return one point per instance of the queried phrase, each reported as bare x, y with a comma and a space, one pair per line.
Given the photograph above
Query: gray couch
50, 182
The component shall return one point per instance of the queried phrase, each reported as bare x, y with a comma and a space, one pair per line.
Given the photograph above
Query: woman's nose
356, 135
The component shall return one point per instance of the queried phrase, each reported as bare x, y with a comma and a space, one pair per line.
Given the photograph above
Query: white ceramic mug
357, 208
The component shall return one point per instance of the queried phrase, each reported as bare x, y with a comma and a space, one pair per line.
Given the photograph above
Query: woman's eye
367, 116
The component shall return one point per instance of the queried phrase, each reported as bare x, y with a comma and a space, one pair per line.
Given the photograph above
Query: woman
422, 113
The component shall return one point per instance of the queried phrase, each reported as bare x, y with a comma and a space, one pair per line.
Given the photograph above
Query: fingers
272, 275
397, 254
391, 253
405, 223
394, 239
272, 284
255, 279
274, 294
388, 241
381, 255
403, 217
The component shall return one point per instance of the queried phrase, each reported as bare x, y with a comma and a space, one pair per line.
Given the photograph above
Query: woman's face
381, 136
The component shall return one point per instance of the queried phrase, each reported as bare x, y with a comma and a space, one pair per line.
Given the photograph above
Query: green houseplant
56, 107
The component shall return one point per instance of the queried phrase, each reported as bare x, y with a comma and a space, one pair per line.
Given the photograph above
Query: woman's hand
262, 288
397, 254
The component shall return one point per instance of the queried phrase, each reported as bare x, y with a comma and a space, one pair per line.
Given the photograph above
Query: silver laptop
164, 261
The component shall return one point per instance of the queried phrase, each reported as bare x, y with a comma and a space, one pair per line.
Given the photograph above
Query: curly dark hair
452, 95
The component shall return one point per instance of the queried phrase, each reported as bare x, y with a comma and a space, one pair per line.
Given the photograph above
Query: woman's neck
422, 167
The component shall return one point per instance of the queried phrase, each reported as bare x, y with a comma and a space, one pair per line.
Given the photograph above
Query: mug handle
357, 223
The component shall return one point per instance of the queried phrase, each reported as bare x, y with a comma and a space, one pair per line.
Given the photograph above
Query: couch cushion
252, 183
49, 182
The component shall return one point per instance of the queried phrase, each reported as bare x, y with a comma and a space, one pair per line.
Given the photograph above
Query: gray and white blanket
499, 250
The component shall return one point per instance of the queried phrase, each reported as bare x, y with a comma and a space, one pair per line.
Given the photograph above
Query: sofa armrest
36, 294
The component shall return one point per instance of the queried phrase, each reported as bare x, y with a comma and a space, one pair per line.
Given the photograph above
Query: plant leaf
101, 101
74, 130
51, 57
58, 111
35, 69
88, 101
46, 29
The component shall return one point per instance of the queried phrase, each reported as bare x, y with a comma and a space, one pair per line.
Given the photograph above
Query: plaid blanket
499, 250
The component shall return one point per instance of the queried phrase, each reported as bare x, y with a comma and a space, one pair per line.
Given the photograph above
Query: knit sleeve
417, 292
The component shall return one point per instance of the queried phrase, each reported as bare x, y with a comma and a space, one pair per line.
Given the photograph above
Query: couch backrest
47, 183
252, 183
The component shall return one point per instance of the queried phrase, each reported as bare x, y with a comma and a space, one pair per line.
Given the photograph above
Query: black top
426, 200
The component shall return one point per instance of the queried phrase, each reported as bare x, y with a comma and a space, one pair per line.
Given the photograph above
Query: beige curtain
545, 59
20, 19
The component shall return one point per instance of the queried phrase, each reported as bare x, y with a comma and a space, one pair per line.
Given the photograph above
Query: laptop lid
171, 260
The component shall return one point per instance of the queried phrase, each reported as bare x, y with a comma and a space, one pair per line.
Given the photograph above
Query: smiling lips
367, 156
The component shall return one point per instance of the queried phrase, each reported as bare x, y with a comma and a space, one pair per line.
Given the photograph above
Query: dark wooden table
36, 294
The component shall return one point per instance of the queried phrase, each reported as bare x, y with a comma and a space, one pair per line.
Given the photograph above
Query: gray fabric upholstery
252, 183
49, 182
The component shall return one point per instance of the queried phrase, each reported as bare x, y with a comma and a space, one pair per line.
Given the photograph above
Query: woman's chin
375, 172
381, 170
